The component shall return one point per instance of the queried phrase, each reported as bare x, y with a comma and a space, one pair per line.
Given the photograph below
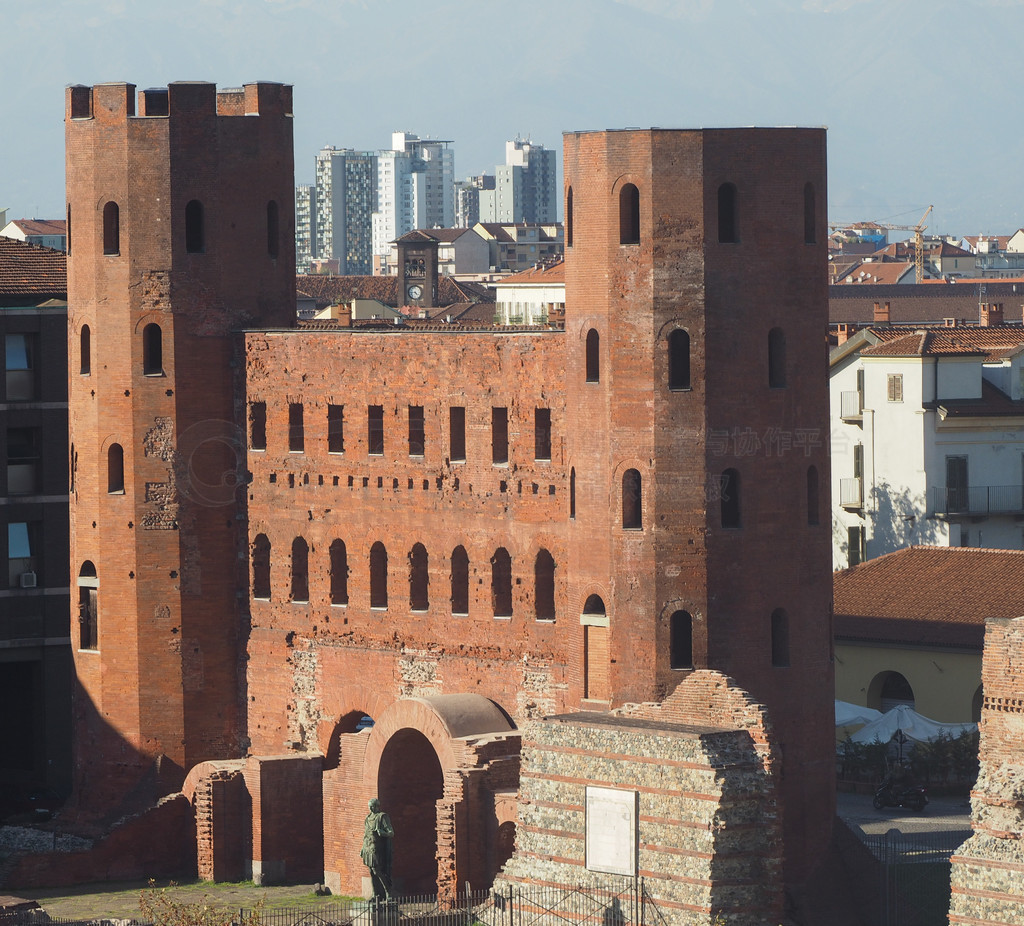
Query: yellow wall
945, 683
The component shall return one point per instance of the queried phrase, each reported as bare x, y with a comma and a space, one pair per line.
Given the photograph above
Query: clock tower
417, 270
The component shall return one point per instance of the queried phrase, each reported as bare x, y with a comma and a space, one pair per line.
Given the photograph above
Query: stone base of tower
682, 794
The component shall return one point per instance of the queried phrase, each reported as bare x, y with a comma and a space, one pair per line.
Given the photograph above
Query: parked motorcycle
890, 795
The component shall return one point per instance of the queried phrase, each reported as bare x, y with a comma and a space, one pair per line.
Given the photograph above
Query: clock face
415, 291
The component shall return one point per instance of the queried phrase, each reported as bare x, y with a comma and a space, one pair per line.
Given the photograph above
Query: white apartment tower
346, 199
525, 188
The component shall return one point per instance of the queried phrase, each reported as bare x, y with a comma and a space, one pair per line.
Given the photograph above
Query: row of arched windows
728, 200
681, 639
152, 350
195, 228
418, 577
679, 358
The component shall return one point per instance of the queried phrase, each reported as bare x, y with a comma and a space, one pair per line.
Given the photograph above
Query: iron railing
977, 500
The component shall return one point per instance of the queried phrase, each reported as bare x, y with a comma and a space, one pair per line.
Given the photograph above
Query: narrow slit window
115, 469
572, 493
85, 351
780, 638
335, 428
419, 599
195, 242
296, 428
261, 567
729, 496
501, 583
568, 218
88, 606
681, 640
629, 214
457, 433
542, 433
258, 425
152, 350
417, 431
339, 573
378, 576
544, 586
273, 232
679, 360
460, 581
375, 430
728, 218
111, 229
300, 570
499, 436
632, 500
593, 356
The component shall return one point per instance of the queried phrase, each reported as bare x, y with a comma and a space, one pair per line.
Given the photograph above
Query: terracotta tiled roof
32, 271
443, 235
928, 595
880, 272
41, 226
325, 289
929, 302
994, 342
555, 273
994, 403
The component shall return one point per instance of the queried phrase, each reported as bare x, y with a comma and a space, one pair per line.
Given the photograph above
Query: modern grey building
525, 188
341, 224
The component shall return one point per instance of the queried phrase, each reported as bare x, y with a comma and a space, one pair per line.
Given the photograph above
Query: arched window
810, 216
273, 235
888, 690
681, 640
813, 517
776, 358
729, 494
418, 579
544, 585
339, 572
300, 570
572, 493
67, 231
501, 583
679, 360
261, 567
85, 351
632, 500
568, 218
152, 350
460, 581
728, 219
378, 576
111, 229
195, 235
594, 606
593, 356
115, 469
629, 214
88, 606
780, 638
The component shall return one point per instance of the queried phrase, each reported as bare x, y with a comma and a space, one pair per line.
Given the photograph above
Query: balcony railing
851, 405
977, 500
851, 492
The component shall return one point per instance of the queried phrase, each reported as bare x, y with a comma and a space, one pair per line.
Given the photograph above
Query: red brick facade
448, 531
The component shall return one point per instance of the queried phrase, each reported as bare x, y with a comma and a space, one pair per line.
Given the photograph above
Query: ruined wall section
987, 869
311, 656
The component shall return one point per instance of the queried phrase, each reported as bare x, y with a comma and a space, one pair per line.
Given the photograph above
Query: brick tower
181, 230
698, 535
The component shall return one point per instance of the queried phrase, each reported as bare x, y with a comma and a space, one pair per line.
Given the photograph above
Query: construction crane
918, 231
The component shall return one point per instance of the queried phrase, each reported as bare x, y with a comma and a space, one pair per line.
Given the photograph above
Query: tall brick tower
181, 230
699, 536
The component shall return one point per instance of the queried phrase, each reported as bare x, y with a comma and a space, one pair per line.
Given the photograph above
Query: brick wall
988, 868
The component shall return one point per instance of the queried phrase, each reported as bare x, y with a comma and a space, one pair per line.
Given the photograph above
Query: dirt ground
121, 900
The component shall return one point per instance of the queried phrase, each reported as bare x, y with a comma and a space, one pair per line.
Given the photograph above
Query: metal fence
619, 903
914, 876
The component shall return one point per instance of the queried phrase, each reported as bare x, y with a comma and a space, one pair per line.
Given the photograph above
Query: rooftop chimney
990, 314
881, 315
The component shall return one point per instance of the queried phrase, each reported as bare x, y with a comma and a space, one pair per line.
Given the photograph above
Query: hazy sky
919, 95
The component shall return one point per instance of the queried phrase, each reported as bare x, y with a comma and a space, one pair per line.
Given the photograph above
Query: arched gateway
437, 764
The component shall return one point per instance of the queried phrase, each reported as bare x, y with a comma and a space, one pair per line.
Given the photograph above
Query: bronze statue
376, 851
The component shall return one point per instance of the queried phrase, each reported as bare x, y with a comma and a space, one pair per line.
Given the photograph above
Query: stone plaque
611, 830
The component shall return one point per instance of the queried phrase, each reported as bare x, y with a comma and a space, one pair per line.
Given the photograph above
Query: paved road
942, 815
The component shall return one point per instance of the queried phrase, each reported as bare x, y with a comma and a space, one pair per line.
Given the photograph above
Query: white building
345, 201
45, 233
525, 186
927, 428
531, 297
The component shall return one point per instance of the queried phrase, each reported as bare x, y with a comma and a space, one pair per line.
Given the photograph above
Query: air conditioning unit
28, 580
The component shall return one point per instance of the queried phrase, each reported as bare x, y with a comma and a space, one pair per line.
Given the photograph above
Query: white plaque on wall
611, 830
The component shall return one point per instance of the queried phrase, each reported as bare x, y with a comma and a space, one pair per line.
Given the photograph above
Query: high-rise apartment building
525, 186
467, 199
346, 198
305, 226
